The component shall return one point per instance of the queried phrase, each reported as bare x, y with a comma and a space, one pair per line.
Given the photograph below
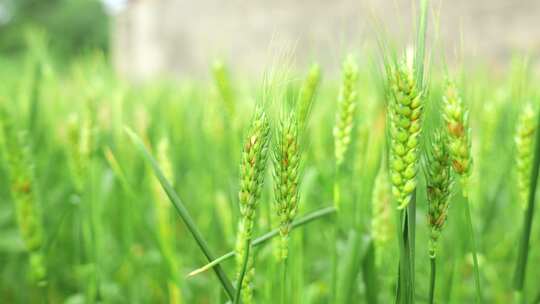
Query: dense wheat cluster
308, 184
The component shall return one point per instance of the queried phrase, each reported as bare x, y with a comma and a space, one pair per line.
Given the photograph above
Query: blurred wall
182, 37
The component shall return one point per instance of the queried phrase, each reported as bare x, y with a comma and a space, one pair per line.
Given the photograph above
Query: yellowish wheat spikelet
459, 134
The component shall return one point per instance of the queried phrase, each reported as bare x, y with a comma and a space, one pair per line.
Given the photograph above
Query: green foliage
198, 153
72, 26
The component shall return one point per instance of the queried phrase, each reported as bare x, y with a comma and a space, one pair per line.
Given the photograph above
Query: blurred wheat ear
524, 243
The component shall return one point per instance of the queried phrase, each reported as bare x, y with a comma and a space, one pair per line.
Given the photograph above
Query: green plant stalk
89, 210
334, 238
334, 277
537, 299
419, 64
360, 251
406, 239
399, 289
410, 243
350, 266
269, 235
491, 213
183, 212
421, 42
242, 272
165, 233
127, 232
297, 292
283, 281
56, 231
474, 252
447, 292
432, 276
402, 289
33, 117
523, 251
119, 173
370, 274
90, 226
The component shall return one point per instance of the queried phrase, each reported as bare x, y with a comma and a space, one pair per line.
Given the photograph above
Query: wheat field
401, 179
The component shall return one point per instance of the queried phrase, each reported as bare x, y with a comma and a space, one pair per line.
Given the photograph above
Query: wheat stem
432, 275
243, 271
474, 252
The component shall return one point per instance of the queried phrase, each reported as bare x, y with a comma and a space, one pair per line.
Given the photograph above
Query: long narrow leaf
183, 212
370, 274
269, 235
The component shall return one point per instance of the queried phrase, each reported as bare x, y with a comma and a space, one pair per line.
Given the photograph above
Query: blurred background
147, 38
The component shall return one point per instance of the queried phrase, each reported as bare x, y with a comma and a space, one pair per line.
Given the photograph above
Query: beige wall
181, 37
